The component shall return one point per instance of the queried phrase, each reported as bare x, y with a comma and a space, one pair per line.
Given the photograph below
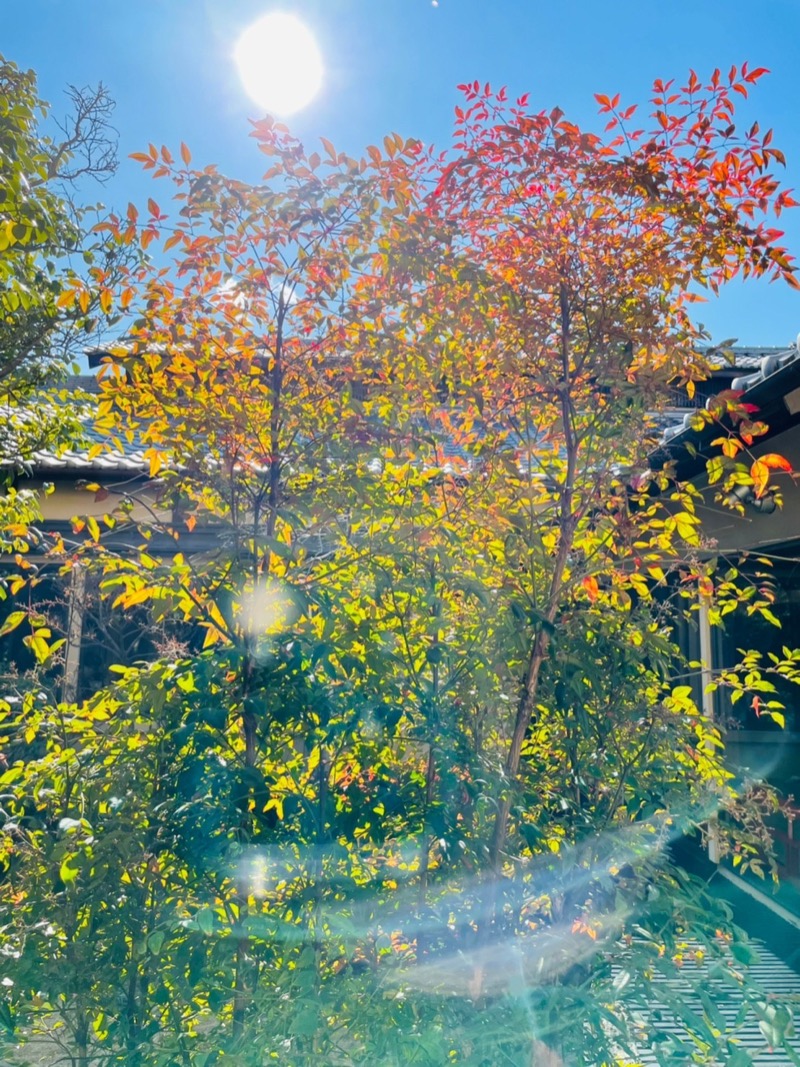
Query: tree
55, 278
426, 720
582, 256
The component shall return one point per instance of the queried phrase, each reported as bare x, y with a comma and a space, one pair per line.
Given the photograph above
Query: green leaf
67, 872
305, 1022
740, 1058
155, 941
744, 953
205, 921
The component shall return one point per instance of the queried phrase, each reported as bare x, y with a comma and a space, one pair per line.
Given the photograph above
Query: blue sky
392, 65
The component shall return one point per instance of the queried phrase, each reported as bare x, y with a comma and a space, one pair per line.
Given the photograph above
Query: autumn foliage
424, 719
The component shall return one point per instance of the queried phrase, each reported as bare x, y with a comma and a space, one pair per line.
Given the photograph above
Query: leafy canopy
422, 718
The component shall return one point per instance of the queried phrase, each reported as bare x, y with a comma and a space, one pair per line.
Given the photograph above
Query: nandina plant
406, 792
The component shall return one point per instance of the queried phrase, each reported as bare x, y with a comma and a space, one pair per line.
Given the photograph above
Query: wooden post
708, 706
72, 656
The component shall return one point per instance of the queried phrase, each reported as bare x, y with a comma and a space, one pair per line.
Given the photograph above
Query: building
762, 539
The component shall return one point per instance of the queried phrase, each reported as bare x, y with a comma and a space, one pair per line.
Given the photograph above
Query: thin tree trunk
82, 1042
541, 643
242, 990
425, 846
132, 1037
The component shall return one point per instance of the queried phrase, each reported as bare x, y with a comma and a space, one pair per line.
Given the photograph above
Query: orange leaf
66, 299
590, 585
776, 462
186, 155
759, 472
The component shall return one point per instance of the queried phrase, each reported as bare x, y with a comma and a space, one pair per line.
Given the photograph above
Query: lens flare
267, 609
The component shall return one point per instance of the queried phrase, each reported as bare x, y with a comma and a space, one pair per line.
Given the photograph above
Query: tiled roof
757, 363
70, 459
745, 357
770, 362
47, 461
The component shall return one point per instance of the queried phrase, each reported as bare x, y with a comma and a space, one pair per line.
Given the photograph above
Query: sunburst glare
279, 63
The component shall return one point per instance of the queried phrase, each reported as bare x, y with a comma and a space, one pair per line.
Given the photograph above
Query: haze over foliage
399, 782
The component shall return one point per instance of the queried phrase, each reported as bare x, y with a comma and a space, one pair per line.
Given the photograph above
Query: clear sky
392, 65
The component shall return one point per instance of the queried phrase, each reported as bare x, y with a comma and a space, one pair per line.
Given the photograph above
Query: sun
279, 63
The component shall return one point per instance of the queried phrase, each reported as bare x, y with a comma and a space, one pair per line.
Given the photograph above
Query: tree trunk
541, 643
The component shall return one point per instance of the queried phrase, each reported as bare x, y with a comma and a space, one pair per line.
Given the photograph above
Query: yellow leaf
12, 622
730, 447
38, 646
216, 615
212, 635
759, 472
686, 526
156, 461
